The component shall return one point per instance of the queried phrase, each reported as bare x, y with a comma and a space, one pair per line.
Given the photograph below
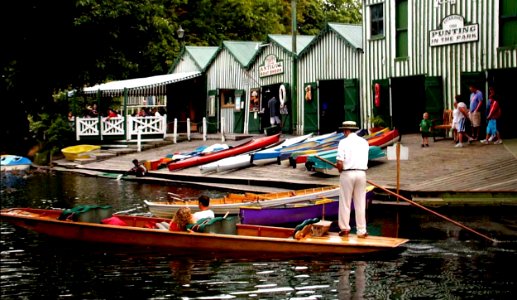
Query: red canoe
384, 140
248, 146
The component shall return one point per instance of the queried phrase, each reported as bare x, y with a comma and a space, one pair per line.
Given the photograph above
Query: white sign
271, 66
454, 31
437, 3
392, 153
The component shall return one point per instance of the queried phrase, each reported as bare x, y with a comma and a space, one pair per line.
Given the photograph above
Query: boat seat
442, 130
216, 225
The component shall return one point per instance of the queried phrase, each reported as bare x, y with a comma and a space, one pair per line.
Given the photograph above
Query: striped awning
154, 85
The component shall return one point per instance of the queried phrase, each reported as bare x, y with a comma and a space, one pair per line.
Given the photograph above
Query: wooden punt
248, 240
232, 202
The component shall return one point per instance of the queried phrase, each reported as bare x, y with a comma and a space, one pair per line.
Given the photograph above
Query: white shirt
353, 151
198, 215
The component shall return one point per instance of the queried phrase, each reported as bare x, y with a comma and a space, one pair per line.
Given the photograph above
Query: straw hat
351, 125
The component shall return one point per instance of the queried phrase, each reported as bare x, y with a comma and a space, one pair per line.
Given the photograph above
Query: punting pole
417, 204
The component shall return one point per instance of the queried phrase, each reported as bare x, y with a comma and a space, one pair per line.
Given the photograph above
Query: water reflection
352, 280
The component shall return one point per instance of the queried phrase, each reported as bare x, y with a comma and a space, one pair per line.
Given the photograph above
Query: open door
310, 107
238, 112
352, 108
212, 109
434, 98
381, 100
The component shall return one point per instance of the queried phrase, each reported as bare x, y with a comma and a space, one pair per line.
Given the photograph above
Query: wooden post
204, 128
188, 129
398, 169
175, 133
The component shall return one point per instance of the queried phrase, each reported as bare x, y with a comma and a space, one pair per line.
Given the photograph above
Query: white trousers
353, 186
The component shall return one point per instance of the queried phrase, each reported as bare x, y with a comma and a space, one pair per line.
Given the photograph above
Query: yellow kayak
79, 151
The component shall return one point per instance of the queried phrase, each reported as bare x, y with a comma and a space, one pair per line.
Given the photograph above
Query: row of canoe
270, 149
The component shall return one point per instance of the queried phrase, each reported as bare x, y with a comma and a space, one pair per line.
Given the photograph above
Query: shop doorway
268, 92
331, 105
408, 103
503, 81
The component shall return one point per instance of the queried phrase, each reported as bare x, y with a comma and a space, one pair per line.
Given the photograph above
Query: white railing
112, 126
115, 127
86, 127
146, 126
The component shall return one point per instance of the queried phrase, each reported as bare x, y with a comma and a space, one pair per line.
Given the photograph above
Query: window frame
509, 19
377, 20
400, 30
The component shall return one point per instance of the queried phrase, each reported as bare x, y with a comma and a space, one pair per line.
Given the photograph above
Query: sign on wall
454, 31
271, 66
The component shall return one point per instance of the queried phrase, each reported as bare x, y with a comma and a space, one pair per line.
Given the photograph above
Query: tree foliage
51, 46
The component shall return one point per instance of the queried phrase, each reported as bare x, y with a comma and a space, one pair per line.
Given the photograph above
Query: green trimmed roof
243, 51
202, 55
286, 42
352, 33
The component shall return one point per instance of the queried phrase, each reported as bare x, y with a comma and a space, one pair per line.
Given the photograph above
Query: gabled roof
201, 55
351, 34
243, 51
286, 41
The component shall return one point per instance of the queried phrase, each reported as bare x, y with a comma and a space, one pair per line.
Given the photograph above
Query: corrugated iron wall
226, 73
330, 58
447, 61
186, 64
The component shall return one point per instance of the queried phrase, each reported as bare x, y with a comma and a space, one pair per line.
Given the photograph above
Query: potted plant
377, 123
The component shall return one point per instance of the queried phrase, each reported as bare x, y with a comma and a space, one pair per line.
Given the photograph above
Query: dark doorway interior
331, 105
186, 99
408, 103
503, 82
268, 92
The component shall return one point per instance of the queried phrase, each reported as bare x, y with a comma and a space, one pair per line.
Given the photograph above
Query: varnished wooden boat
232, 202
245, 239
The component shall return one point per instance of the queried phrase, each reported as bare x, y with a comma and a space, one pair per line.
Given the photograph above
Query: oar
418, 205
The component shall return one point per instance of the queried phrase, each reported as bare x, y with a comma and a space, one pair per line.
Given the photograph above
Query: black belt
354, 170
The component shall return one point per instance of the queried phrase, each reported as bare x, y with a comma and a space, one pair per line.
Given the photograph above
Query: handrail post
222, 129
188, 129
204, 128
139, 139
175, 133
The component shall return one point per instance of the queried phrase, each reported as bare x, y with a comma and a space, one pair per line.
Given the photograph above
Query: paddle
417, 205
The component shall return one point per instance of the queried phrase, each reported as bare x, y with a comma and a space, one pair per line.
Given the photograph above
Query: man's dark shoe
344, 232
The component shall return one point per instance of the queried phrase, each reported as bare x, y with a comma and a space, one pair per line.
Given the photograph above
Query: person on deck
204, 209
476, 102
181, 219
352, 163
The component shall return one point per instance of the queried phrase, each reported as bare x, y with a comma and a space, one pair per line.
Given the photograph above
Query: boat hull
221, 206
248, 240
240, 149
294, 214
14, 163
79, 151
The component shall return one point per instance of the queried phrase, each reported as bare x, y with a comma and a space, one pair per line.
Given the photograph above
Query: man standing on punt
352, 162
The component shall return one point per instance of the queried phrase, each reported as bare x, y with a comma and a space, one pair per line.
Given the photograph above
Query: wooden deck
438, 168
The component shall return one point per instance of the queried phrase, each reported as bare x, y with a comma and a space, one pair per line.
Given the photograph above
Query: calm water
442, 261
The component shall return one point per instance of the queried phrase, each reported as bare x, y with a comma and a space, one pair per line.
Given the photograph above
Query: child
425, 129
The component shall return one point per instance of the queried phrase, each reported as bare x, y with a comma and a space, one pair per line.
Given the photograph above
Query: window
227, 98
508, 23
377, 20
401, 29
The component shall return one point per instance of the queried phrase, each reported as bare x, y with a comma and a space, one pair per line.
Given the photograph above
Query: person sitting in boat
138, 169
181, 219
204, 209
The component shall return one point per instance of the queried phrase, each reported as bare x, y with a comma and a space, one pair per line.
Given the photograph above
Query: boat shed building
420, 54
329, 72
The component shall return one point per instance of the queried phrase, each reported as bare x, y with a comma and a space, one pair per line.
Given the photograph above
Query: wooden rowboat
296, 213
248, 240
232, 202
